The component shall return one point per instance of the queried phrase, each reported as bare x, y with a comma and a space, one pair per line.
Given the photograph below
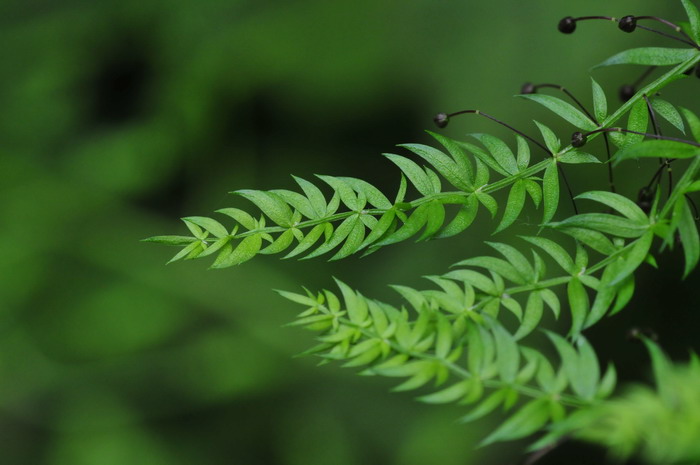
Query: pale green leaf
563, 109
515, 204
600, 102
550, 191
668, 112
655, 56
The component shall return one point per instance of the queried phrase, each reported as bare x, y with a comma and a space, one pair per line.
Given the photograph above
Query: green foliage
454, 337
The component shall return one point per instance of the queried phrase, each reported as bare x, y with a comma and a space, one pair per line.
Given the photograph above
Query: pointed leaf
563, 109
655, 56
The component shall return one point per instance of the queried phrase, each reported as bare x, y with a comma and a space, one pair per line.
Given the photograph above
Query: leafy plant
584, 264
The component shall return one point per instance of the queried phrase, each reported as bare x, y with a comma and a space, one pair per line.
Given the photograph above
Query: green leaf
550, 191
617, 202
603, 222
693, 123
371, 193
213, 226
243, 218
578, 300
315, 196
442, 163
450, 394
523, 153
593, 239
344, 192
415, 222
462, 220
532, 316
563, 109
487, 201
550, 139
500, 152
529, 419
338, 236
435, 212
270, 204
656, 56
244, 251
414, 173
657, 149
635, 257
487, 406
693, 18
600, 102
574, 157
516, 259
689, 236
353, 241
382, 226
588, 369
171, 240
309, 240
554, 250
462, 161
185, 252
515, 204
668, 112
507, 354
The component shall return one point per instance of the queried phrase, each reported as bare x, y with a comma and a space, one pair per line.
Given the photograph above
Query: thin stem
668, 23
481, 113
669, 36
571, 96
653, 136
583, 18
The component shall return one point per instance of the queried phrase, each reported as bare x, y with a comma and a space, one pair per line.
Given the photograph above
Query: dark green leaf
500, 152
600, 103
563, 109
515, 204
617, 202
550, 190
529, 419
414, 173
693, 18
574, 157
550, 139
689, 236
656, 56
668, 112
171, 240
270, 204
693, 123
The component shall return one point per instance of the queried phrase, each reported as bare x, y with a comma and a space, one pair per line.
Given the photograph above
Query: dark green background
119, 117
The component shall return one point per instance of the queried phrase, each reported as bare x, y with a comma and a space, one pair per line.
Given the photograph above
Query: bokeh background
118, 117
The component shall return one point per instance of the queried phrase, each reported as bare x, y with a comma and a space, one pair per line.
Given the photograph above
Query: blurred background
119, 117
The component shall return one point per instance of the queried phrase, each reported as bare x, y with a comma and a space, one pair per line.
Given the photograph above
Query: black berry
578, 139
645, 197
441, 120
528, 88
567, 25
627, 24
627, 92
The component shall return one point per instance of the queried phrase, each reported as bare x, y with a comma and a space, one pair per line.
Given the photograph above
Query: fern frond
309, 223
661, 425
446, 342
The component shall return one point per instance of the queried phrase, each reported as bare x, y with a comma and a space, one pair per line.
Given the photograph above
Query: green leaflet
669, 113
689, 235
656, 149
694, 18
516, 202
600, 102
445, 165
550, 191
550, 139
617, 202
244, 251
656, 56
414, 173
563, 109
693, 123
270, 204
575, 157
527, 420
500, 152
